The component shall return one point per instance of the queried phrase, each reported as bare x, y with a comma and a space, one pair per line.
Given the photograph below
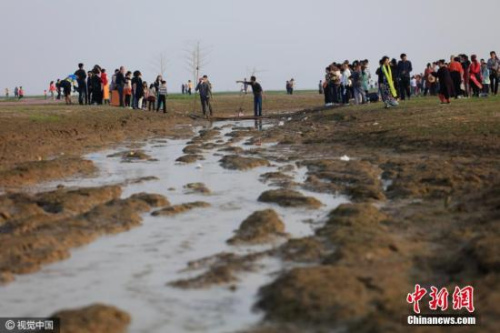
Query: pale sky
43, 40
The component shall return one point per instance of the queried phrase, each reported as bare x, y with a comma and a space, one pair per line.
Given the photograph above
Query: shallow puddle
131, 270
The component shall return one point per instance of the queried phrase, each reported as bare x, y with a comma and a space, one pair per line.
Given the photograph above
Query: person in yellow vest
190, 87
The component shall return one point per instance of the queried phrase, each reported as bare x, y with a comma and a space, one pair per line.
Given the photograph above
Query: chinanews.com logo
462, 301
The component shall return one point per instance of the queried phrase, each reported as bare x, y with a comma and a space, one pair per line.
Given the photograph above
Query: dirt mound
192, 150
260, 227
41, 171
178, 209
232, 149
306, 250
221, 269
132, 155
279, 179
94, 318
191, 158
358, 232
76, 201
209, 134
275, 176
435, 178
214, 276
200, 188
318, 295
357, 179
153, 200
42, 228
289, 198
234, 162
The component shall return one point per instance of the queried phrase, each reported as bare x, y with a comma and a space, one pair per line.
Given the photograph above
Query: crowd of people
344, 81
18, 93
128, 90
187, 88
458, 78
125, 89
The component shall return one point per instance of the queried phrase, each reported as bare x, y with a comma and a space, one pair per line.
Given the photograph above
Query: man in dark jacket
81, 77
205, 89
65, 85
58, 87
120, 84
404, 71
258, 92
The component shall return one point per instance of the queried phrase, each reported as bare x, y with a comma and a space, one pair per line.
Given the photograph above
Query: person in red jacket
105, 86
475, 76
457, 74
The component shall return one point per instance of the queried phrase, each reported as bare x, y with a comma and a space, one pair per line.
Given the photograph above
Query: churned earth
423, 182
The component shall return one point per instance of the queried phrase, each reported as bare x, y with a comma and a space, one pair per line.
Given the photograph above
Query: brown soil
31, 133
132, 155
259, 227
189, 159
434, 174
234, 162
221, 269
94, 318
33, 172
197, 188
41, 228
179, 209
289, 198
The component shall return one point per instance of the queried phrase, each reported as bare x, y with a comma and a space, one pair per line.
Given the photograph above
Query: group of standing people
93, 86
18, 93
461, 77
344, 81
187, 88
129, 90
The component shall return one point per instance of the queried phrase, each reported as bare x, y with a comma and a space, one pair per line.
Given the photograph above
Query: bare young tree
196, 60
159, 64
254, 71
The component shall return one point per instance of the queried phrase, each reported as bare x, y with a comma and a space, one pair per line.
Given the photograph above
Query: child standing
151, 97
413, 86
145, 93
485, 72
52, 90
162, 96
127, 90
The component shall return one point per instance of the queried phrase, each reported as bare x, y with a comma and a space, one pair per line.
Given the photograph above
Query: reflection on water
131, 270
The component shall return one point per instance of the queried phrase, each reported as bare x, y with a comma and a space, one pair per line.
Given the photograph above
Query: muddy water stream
132, 270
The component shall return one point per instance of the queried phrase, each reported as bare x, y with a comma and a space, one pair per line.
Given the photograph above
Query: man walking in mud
81, 77
205, 89
257, 95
